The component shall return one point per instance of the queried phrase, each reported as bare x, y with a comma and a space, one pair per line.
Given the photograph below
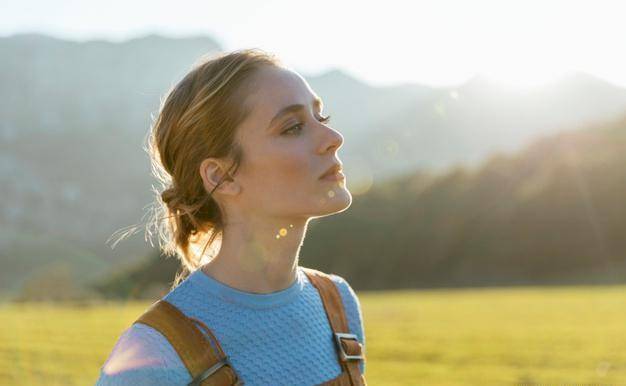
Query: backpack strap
194, 349
348, 347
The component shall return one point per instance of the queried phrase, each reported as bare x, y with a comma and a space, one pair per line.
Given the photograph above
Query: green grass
529, 336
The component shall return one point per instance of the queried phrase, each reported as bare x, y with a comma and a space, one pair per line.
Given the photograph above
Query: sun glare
522, 78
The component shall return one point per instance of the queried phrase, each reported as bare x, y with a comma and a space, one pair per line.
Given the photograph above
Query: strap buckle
342, 352
212, 370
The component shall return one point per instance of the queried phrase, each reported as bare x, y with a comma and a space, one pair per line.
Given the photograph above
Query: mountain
74, 116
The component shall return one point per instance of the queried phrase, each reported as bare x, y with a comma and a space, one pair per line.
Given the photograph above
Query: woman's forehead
277, 87
273, 89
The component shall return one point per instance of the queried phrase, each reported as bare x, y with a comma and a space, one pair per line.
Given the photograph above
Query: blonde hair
197, 120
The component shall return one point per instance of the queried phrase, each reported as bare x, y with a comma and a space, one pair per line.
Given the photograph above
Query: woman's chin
335, 198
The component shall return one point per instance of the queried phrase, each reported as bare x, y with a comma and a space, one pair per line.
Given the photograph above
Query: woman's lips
337, 176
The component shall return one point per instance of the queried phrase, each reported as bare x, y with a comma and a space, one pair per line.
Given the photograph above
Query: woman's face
286, 149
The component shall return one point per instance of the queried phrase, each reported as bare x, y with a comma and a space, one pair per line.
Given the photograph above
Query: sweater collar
211, 286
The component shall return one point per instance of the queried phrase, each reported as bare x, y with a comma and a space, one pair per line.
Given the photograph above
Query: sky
521, 43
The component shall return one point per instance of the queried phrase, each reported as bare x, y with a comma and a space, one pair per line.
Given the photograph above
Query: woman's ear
213, 172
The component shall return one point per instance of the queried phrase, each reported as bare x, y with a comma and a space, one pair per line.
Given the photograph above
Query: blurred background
485, 149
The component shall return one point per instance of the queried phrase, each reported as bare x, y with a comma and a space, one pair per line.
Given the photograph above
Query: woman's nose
333, 139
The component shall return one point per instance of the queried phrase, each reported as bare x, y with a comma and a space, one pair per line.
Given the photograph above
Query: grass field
513, 336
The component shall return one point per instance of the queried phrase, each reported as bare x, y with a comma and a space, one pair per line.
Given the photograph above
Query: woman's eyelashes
298, 127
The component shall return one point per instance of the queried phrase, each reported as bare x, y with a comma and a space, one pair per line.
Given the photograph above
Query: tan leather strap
342, 380
192, 346
331, 298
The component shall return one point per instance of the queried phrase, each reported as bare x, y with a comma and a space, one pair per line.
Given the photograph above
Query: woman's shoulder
142, 356
350, 299
340, 281
352, 307
348, 295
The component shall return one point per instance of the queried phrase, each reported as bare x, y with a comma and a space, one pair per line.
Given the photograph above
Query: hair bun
169, 194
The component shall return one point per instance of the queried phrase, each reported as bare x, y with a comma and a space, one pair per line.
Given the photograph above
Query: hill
74, 116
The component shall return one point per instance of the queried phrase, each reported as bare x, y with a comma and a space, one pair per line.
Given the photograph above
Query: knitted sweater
280, 338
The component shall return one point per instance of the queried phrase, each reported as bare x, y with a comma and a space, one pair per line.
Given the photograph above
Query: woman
244, 111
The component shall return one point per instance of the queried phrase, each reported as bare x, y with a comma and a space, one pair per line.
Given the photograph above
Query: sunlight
128, 355
521, 77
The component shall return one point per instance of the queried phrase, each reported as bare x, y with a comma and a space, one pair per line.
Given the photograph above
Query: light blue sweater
281, 338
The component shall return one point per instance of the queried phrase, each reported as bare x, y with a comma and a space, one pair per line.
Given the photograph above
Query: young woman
246, 157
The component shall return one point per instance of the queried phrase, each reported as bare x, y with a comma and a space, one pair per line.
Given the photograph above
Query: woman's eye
298, 126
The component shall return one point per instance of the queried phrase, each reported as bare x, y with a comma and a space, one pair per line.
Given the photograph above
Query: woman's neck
258, 258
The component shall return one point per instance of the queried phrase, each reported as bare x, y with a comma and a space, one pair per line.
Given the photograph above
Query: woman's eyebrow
317, 102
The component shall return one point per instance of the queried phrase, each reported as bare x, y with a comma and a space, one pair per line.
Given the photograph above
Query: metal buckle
212, 370
342, 353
